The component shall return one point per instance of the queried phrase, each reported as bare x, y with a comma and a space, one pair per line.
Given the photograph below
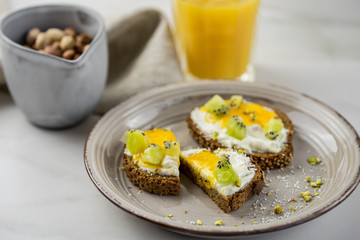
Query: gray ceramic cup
51, 91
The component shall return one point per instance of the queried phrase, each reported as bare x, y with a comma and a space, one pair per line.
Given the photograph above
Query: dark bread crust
231, 202
154, 183
265, 160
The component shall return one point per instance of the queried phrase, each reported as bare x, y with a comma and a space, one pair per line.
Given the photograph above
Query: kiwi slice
224, 171
154, 154
236, 127
136, 141
172, 148
273, 128
217, 106
235, 101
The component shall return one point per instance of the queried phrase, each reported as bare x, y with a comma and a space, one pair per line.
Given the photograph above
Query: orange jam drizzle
246, 111
204, 160
157, 136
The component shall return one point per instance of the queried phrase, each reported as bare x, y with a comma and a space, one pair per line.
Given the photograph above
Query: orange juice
214, 37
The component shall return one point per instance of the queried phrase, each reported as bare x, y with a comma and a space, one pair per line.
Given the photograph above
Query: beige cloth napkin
141, 56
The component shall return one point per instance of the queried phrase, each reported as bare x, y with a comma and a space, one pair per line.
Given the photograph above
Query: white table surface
45, 193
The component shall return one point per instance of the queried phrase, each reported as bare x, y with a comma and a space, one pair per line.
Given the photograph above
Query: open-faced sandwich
227, 176
151, 160
261, 131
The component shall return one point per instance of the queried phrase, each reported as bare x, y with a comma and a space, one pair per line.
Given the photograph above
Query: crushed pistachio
303, 194
253, 116
170, 215
246, 111
316, 184
130, 195
316, 194
241, 150
292, 208
307, 198
214, 137
277, 209
236, 225
253, 223
238, 183
198, 222
308, 179
314, 160
319, 182
219, 223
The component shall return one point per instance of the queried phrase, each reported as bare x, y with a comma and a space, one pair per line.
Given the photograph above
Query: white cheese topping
192, 151
254, 141
240, 163
170, 166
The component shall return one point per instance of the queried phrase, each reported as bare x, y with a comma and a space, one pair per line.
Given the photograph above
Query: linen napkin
141, 56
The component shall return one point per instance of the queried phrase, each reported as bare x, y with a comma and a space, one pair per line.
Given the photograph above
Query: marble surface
309, 46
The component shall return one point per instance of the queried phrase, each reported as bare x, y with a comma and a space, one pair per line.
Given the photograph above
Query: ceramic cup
51, 91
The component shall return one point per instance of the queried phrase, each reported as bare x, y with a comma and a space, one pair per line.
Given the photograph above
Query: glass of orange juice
214, 37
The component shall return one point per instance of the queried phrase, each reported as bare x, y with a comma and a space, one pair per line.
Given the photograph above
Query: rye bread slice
154, 183
226, 203
265, 160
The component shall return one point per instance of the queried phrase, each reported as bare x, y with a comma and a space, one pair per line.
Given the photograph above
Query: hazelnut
53, 51
85, 47
62, 43
77, 55
41, 41
70, 31
79, 47
31, 36
67, 42
56, 44
68, 54
54, 34
83, 39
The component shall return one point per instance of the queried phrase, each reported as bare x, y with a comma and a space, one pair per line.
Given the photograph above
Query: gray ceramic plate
319, 131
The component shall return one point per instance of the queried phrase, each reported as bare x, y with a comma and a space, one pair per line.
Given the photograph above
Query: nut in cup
52, 91
214, 37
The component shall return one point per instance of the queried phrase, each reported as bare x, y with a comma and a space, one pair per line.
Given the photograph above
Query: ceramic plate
319, 131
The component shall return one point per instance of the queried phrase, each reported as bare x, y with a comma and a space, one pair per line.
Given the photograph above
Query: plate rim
206, 232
